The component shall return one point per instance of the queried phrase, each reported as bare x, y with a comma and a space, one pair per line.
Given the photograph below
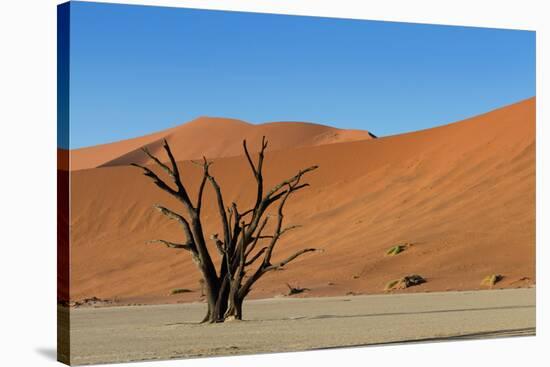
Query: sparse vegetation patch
491, 280
295, 290
397, 249
405, 282
179, 291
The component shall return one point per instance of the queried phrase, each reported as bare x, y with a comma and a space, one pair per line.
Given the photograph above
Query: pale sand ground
120, 334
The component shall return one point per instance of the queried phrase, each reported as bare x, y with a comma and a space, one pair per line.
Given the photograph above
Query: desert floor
133, 333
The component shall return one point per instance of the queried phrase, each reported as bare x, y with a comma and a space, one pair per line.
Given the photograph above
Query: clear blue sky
140, 69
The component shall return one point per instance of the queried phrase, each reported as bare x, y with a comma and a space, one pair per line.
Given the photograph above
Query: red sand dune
463, 194
215, 138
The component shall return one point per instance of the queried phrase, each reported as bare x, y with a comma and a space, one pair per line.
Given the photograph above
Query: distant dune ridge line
462, 196
213, 137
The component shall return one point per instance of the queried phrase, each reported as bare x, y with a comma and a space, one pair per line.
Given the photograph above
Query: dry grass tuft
491, 280
397, 249
405, 282
180, 290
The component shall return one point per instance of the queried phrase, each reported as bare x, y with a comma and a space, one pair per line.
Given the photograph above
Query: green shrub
396, 250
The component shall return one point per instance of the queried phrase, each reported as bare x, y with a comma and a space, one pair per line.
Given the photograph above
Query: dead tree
245, 249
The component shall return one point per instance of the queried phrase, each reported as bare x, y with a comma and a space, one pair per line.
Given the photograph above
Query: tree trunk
235, 309
222, 301
206, 317
212, 290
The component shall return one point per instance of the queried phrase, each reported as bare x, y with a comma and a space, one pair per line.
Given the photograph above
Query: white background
28, 183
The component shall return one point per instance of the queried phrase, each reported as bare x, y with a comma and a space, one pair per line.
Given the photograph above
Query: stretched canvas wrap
237, 183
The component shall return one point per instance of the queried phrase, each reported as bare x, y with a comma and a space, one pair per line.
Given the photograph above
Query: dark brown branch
255, 257
172, 215
289, 228
262, 154
258, 237
245, 288
278, 227
205, 165
245, 213
290, 181
193, 229
175, 216
221, 206
180, 193
257, 170
236, 227
249, 158
185, 246
289, 259
157, 161
156, 180
219, 244
240, 256
175, 169
229, 216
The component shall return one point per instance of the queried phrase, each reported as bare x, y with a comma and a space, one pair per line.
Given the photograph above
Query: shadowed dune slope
462, 194
214, 138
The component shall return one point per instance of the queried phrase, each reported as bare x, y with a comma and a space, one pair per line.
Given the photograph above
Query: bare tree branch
180, 193
278, 226
257, 169
205, 165
158, 162
246, 212
175, 216
255, 257
290, 181
175, 169
239, 261
221, 206
249, 158
289, 228
157, 181
236, 227
186, 246
257, 237
219, 244
289, 259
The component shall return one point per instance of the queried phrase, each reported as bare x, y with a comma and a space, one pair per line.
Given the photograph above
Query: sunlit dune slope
462, 194
213, 137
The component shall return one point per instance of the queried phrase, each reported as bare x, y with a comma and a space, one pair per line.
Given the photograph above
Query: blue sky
140, 69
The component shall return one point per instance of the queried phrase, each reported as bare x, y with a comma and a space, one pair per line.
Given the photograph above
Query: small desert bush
405, 282
396, 250
491, 280
292, 290
392, 284
179, 290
